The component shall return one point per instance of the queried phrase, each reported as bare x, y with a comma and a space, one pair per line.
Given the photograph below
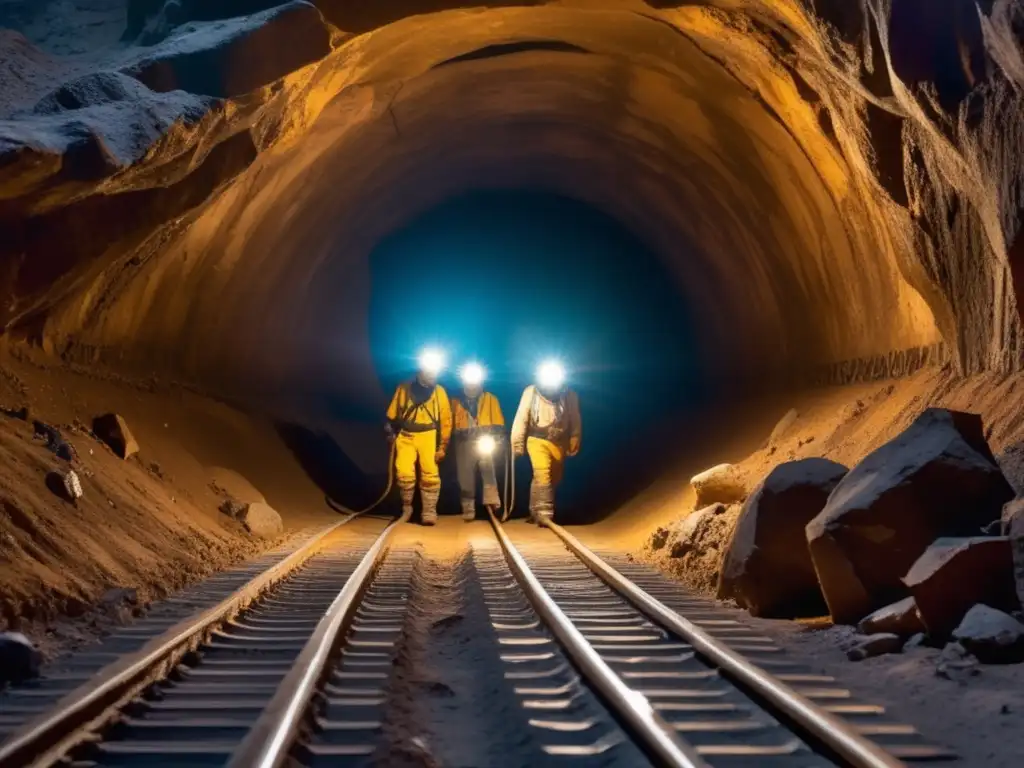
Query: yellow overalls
422, 423
549, 431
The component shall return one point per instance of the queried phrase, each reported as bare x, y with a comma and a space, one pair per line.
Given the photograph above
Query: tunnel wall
845, 202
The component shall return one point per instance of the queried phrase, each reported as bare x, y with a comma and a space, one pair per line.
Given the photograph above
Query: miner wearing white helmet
547, 427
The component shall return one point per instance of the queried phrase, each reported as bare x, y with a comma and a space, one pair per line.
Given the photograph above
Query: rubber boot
429, 497
407, 496
542, 502
468, 510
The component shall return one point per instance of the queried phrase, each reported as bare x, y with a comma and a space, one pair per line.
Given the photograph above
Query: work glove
517, 450
438, 457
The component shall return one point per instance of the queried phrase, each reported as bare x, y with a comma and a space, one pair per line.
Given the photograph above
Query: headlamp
472, 374
431, 361
550, 375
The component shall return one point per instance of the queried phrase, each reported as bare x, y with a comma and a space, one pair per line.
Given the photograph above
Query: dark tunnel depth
509, 278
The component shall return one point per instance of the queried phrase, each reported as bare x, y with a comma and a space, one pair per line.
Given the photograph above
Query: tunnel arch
669, 141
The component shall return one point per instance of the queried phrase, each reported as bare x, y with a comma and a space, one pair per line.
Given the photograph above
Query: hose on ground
510, 482
391, 483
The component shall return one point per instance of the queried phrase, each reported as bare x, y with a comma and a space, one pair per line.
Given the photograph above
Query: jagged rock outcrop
937, 478
767, 567
238, 213
908, 178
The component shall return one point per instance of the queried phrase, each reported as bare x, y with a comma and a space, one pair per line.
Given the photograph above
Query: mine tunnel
774, 245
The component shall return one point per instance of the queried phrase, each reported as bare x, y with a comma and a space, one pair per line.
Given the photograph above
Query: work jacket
556, 420
415, 408
476, 416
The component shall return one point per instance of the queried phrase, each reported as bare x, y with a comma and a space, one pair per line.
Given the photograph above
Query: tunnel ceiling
826, 180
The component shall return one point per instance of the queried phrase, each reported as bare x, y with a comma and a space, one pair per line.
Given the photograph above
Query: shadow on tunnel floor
328, 466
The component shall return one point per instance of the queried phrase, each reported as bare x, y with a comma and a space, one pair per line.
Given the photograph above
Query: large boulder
901, 618
991, 636
767, 568
113, 430
19, 659
692, 547
261, 520
937, 478
722, 484
954, 574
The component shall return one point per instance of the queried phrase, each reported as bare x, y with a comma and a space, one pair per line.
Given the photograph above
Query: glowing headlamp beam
431, 361
472, 374
550, 374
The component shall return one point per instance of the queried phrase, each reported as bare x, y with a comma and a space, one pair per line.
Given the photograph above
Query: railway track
572, 659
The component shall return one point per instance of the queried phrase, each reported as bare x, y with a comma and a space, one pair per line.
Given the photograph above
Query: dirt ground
151, 522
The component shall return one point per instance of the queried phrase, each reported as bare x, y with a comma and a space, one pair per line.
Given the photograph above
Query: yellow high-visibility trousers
411, 447
548, 460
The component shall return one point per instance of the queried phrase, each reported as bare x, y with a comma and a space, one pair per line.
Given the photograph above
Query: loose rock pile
920, 542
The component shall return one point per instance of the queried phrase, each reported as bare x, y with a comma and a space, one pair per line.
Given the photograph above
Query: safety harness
405, 418
554, 431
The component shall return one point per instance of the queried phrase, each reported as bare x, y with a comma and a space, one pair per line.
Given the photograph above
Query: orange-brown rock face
204, 195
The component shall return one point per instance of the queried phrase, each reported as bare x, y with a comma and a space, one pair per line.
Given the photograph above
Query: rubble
955, 573
874, 645
937, 478
722, 484
767, 567
955, 663
901, 618
19, 658
991, 636
113, 430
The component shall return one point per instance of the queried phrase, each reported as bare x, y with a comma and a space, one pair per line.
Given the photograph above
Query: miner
479, 428
419, 424
547, 426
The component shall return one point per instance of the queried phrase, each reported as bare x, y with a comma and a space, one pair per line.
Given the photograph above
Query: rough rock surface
1012, 524
874, 645
892, 184
937, 478
693, 547
113, 430
722, 484
954, 574
901, 618
767, 567
261, 520
992, 636
19, 659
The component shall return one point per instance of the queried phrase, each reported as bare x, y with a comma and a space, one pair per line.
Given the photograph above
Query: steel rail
809, 720
654, 735
269, 740
46, 739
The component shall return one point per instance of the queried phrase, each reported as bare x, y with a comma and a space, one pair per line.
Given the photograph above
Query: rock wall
828, 180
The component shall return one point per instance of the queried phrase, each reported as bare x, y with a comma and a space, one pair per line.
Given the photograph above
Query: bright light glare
550, 374
485, 445
472, 374
431, 361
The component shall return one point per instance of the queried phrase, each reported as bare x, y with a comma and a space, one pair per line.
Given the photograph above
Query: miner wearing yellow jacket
478, 431
419, 421
547, 426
